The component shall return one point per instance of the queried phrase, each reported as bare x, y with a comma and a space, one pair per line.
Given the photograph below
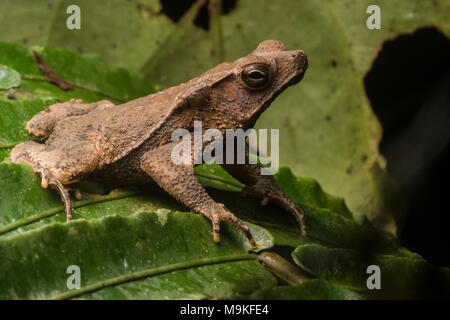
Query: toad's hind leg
51, 165
179, 181
42, 124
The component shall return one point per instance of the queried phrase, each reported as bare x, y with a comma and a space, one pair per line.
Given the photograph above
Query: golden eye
256, 76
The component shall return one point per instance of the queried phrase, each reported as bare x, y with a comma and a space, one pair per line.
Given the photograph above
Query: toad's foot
19, 154
218, 213
269, 192
265, 188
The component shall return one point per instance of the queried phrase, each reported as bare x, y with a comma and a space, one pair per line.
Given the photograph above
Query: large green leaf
13, 118
124, 33
92, 79
401, 276
115, 250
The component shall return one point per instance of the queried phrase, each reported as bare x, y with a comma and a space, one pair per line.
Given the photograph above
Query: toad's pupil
256, 75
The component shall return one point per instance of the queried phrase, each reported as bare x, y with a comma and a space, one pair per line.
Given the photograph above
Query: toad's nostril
297, 53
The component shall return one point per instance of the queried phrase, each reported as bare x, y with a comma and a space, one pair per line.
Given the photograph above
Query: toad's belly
123, 172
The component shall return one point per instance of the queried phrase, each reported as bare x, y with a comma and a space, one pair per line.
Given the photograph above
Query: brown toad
131, 143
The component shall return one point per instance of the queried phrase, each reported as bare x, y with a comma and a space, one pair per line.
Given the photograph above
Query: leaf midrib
134, 276
53, 211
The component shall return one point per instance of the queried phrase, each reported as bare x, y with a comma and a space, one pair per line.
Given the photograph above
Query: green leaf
231, 280
13, 117
115, 250
212, 175
123, 33
308, 191
401, 277
92, 79
8, 78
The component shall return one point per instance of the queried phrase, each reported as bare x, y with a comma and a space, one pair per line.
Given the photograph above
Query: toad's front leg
265, 188
179, 181
57, 167
24, 152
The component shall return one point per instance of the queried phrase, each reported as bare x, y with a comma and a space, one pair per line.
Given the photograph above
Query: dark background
409, 89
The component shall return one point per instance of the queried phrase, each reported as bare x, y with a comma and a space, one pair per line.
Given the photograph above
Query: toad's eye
256, 76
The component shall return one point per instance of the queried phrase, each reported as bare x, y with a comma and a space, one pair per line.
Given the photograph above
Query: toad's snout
300, 60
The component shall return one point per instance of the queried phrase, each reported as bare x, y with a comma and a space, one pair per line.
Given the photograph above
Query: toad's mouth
297, 78
300, 72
